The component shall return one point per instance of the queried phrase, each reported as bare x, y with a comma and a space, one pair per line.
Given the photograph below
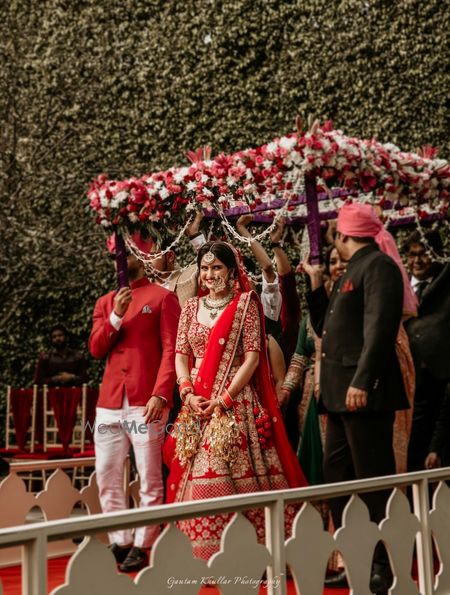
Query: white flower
287, 143
121, 196
438, 163
204, 178
207, 192
191, 186
391, 147
272, 147
105, 223
267, 163
180, 174
133, 217
230, 181
294, 157
325, 206
224, 198
164, 193
103, 200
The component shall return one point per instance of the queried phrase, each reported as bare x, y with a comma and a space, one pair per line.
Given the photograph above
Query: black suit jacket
359, 325
429, 333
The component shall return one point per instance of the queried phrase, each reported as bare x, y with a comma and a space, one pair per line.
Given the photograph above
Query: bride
229, 437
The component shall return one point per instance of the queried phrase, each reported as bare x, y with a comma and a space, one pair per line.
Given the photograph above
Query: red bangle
186, 384
226, 399
186, 391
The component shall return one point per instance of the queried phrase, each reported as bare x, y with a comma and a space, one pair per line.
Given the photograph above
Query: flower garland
256, 177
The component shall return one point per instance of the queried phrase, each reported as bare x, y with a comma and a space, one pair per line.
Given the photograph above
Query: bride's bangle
187, 390
225, 399
186, 387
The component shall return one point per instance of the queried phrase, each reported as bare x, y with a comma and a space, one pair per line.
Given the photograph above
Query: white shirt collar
415, 282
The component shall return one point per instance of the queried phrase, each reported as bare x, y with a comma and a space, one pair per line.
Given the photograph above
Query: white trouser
114, 432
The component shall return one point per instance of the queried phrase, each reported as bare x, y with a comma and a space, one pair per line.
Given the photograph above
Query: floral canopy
405, 185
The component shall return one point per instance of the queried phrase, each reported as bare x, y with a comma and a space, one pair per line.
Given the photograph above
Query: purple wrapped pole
121, 261
313, 221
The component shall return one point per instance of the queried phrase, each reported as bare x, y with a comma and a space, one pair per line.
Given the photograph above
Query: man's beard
59, 346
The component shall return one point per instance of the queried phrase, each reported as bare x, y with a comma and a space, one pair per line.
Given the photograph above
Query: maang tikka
209, 257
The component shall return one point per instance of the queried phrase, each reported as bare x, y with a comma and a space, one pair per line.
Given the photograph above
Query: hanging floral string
423, 240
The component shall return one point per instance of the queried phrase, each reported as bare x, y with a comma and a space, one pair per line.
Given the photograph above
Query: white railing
239, 566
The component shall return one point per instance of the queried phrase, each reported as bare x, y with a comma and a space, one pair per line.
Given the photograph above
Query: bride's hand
208, 407
195, 403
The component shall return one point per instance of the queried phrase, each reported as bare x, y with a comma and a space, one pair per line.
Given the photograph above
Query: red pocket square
347, 286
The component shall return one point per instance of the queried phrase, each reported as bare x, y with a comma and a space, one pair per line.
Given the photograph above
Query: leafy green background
126, 87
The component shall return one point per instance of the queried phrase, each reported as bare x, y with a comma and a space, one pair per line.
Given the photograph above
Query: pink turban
361, 221
145, 246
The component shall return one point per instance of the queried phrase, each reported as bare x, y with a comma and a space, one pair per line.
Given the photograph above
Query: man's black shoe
337, 580
120, 552
136, 559
381, 579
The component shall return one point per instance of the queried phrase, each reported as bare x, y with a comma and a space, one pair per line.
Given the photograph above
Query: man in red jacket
135, 330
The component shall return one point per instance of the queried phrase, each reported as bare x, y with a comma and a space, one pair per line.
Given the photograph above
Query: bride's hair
222, 251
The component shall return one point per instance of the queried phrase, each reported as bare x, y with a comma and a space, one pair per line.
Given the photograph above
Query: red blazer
141, 354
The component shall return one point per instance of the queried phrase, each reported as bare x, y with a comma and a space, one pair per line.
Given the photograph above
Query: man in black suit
360, 383
429, 337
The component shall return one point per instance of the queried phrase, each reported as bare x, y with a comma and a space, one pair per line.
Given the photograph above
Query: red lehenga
255, 468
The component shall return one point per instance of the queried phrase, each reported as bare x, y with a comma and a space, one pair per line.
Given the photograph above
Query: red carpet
11, 578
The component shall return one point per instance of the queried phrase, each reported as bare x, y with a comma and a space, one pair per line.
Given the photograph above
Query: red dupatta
220, 352
268, 399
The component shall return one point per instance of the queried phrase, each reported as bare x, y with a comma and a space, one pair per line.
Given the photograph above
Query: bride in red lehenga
229, 437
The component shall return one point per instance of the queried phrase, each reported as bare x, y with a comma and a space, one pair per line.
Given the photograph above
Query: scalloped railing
243, 564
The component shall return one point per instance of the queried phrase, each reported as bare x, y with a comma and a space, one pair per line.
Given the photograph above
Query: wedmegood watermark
135, 427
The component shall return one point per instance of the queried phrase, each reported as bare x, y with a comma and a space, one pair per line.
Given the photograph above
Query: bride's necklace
214, 306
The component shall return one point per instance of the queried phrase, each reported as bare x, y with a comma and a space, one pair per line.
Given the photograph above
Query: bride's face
214, 275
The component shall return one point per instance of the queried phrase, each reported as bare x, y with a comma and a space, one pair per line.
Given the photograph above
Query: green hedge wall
126, 87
